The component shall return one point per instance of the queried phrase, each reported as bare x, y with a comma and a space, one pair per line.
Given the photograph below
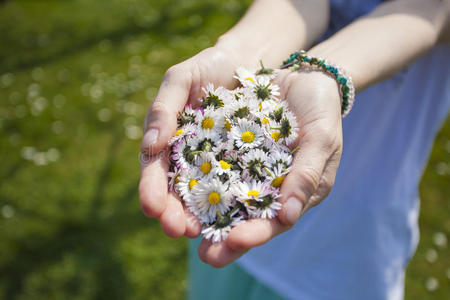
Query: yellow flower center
207, 123
248, 137
224, 165
205, 167
214, 198
260, 107
253, 193
227, 125
179, 131
276, 136
177, 178
192, 183
277, 181
265, 121
251, 79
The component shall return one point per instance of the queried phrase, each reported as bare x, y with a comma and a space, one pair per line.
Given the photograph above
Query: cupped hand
314, 98
181, 85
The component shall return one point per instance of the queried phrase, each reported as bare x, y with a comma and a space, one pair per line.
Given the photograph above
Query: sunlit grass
76, 78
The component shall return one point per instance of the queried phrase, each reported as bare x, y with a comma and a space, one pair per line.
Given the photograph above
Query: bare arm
387, 40
271, 30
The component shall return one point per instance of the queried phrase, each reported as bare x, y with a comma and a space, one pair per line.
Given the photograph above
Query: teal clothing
231, 282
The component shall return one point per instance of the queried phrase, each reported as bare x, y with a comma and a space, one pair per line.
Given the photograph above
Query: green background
76, 78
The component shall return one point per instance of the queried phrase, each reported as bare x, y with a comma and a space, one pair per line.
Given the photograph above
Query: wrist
240, 53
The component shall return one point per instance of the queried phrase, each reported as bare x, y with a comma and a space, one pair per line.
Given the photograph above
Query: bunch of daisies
230, 155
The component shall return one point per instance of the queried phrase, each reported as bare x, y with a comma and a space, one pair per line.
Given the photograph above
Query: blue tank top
357, 242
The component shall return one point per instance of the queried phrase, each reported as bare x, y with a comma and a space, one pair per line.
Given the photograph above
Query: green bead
345, 89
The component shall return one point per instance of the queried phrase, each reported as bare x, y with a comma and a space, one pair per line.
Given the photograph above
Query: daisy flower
288, 128
246, 134
255, 161
265, 209
254, 190
247, 78
265, 90
211, 119
188, 115
207, 197
215, 97
282, 158
204, 140
188, 130
174, 178
242, 109
207, 163
277, 175
267, 72
182, 154
219, 231
186, 182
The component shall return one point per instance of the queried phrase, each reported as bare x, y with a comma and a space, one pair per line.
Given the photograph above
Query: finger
193, 226
173, 220
218, 255
161, 119
326, 181
153, 186
254, 232
303, 180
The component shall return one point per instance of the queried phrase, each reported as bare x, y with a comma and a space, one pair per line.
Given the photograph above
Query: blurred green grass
76, 78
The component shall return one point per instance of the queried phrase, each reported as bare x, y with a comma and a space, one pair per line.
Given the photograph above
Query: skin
393, 36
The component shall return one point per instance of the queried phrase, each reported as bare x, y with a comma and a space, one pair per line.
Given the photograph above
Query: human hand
181, 85
314, 98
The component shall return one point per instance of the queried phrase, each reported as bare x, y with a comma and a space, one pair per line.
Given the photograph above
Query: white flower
216, 97
264, 89
211, 119
204, 140
223, 167
186, 182
207, 163
288, 128
246, 134
207, 196
242, 109
255, 161
277, 175
174, 178
266, 209
282, 158
181, 154
246, 77
188, 115
219, 232
254, 190
188, 130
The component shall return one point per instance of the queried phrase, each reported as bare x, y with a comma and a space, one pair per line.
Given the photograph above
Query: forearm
387, 40
272, 29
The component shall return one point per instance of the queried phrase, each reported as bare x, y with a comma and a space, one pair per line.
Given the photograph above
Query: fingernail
150, 137
293, 207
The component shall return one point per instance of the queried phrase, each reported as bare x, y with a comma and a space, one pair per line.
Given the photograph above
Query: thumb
302, 182
161, 119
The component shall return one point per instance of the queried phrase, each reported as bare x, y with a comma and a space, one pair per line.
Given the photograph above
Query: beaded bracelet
346, 88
